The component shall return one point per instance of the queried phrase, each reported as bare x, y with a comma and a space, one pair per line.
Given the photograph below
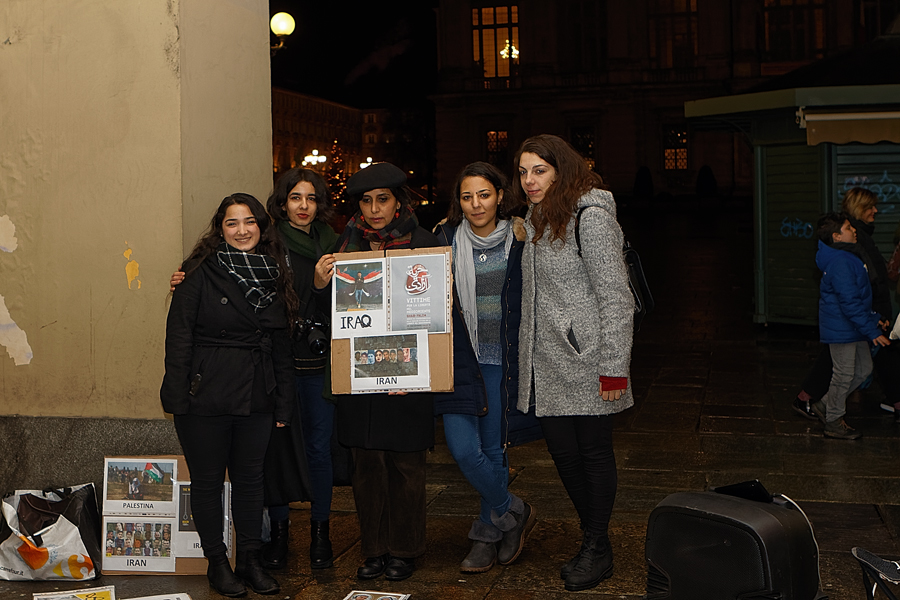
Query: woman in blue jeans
487, 251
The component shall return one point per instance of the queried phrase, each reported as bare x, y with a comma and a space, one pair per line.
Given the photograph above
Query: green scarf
320, 239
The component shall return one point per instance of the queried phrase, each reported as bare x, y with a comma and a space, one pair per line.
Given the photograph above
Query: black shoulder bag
643, 299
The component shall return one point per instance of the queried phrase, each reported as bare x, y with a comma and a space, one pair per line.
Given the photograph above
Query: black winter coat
469, 396
315, 305
384, 422
222, 358
881, 285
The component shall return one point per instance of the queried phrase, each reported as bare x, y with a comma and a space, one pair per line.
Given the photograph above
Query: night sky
366, 55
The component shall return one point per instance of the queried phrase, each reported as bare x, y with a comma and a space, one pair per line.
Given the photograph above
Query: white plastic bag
57, 550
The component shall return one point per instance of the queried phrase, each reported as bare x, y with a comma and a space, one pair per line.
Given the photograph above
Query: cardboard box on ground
144, 505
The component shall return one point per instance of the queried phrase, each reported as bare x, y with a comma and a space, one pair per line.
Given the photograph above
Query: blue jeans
474, 443
317, 420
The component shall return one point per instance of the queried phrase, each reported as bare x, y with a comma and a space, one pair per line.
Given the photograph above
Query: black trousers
389, 490
212, 444
886, 363
582, 450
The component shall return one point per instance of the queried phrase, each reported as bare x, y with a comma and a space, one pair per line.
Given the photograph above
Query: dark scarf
255, 274
396, 234
859, 252
320, 239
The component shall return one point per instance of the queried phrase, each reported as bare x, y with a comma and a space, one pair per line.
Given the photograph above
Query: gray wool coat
571, 302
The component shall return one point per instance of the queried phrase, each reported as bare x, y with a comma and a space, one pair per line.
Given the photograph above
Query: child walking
846, 320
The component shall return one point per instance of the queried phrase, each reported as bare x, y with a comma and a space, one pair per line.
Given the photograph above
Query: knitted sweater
577, 315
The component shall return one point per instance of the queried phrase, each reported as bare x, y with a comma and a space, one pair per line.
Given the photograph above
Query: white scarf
464, 242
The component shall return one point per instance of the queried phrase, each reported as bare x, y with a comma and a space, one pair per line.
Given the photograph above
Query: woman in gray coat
575, 336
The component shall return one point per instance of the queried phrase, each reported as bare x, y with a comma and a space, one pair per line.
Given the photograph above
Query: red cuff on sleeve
614, 383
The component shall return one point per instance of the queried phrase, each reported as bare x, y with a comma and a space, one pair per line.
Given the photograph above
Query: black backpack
643, 299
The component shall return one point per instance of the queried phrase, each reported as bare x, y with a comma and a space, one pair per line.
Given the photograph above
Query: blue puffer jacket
845, 298
469, 396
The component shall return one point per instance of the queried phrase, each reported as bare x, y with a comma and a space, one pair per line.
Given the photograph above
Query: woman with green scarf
301, 208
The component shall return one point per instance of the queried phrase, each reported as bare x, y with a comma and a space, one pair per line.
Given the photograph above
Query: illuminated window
875, 18
675, 157
673, 33
495, 39
583, 141
794, 30
371, 138
498, 148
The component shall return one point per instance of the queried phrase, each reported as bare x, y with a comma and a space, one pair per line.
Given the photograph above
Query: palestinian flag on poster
154, 472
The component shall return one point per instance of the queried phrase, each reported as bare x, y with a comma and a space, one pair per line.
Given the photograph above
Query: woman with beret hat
388, 433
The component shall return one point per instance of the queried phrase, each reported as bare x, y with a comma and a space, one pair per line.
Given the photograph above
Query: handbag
50, 534
637, 281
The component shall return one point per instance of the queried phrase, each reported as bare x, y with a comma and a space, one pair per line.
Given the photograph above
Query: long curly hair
492, 175
269, 244
287, 182
573, 180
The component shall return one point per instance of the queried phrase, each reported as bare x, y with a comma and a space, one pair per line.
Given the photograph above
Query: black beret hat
378, 175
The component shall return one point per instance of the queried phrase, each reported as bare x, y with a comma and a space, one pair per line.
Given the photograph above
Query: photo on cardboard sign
138, 545
389, 362
186, 540
359, 285
358, 300
139, 486
419, 292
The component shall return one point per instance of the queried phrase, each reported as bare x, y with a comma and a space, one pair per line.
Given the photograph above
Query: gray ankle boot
483, 554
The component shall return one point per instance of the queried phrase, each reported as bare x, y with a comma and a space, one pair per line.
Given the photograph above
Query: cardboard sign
396, 296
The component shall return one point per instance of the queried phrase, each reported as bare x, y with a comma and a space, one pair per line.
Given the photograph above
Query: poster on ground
139, 486
138, 545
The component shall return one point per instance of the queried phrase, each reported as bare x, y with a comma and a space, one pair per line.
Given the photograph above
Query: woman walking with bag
229, 377
575, 337
487, 286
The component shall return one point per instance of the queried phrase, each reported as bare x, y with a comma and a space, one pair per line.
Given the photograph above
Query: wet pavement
713, 394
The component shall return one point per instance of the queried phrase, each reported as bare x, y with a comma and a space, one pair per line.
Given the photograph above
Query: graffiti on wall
797, 228
884, 187
11, 336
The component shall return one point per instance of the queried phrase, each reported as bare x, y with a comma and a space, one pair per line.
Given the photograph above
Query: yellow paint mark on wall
132, 269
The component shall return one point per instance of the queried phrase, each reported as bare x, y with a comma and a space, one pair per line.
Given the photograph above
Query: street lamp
282, 25
313, 160
368, 163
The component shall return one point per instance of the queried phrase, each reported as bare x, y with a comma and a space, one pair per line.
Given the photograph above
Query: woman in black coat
388, 433
228, 377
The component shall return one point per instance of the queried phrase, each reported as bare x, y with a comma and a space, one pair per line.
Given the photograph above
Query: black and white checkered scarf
254, 273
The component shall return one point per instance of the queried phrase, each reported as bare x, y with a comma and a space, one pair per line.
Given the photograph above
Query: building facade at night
302, 123
612, 77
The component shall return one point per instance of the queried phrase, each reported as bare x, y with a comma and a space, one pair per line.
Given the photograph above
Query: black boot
274, 553
320, 554
594, 564
222, 578
249, 568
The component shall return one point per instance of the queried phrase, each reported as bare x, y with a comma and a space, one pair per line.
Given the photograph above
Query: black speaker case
709, 545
